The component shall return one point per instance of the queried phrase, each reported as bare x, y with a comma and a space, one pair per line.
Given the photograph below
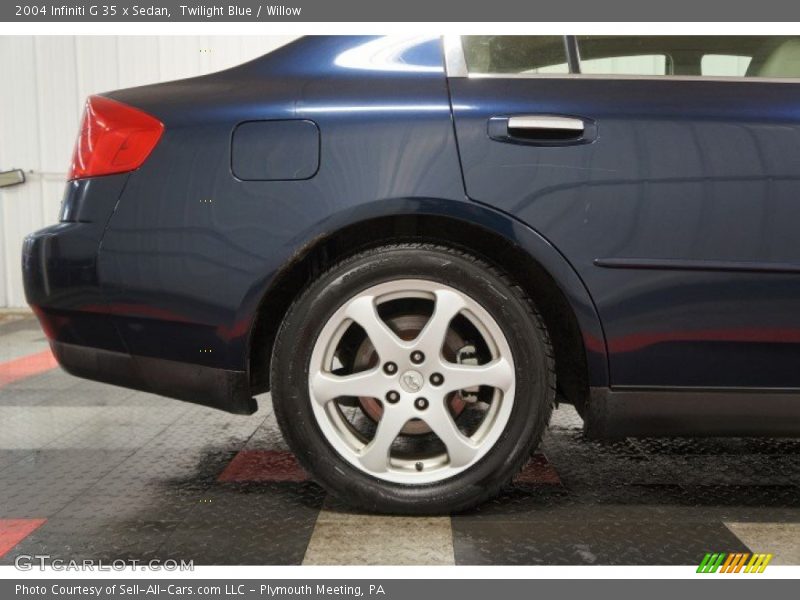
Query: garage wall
45, 81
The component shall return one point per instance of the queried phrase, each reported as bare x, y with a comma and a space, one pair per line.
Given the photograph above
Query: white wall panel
19, 147
46, 81
57, 103
179, 56
137, 61
97, 65
22, 213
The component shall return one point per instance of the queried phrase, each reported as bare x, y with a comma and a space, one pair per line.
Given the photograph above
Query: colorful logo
739, 562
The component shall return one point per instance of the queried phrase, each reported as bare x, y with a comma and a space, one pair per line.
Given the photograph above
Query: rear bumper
59, 271
62, 286
217, 388
59, 266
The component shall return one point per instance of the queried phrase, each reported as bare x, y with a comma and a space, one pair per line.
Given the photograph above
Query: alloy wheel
415, 381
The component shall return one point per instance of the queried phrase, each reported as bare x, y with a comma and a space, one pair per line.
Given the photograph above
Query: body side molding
679, 264
702, 412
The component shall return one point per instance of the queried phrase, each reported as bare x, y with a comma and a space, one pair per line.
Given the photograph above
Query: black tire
513, 311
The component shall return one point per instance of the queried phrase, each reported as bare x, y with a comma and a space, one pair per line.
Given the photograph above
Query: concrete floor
94, 471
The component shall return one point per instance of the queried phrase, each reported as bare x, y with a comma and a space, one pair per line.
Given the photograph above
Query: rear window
653, 56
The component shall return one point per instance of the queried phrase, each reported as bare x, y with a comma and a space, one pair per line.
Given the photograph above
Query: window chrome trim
573, 54
581, 76
454, 61
456, 66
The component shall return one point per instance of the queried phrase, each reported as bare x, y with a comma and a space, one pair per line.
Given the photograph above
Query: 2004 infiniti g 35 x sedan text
420, 245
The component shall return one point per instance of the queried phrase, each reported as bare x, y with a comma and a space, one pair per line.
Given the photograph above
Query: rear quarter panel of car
191, 249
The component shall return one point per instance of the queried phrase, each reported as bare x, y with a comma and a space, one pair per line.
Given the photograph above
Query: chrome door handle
546, 122
542, 130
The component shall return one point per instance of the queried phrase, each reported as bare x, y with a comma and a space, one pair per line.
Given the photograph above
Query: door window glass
515, 53
751, 56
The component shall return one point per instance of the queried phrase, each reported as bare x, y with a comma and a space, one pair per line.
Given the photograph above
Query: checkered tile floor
94, 471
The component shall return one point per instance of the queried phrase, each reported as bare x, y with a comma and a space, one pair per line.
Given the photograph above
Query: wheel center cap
412, 381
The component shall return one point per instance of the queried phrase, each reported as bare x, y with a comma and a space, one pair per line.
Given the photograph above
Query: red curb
263, 465
13, 531
538, 471
26, 366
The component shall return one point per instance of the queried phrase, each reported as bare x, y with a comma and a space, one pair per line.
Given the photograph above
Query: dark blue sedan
421, 245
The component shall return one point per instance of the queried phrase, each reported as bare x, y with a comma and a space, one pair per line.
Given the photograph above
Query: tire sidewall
323, 297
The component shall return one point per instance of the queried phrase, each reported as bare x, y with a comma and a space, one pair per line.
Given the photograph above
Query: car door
666, 170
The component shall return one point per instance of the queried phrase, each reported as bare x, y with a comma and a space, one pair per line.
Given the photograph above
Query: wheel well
570, 354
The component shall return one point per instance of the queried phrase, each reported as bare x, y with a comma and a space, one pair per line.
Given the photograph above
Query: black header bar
401, 11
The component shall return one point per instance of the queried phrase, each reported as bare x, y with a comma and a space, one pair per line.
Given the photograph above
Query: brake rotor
407, 327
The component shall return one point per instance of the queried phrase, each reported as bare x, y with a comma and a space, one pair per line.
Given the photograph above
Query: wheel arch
545, 275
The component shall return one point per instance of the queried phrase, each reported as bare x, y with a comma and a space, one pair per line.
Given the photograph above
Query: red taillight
114, 138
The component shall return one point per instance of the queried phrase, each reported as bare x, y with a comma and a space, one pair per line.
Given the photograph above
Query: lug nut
390, 368
417, 357
392, 397
421, 403
437, 379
